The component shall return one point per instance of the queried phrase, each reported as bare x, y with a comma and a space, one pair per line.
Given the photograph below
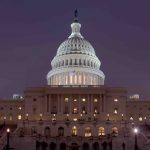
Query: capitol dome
75, 62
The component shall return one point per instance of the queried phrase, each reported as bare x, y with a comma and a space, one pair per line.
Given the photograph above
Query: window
115, 111
101, 131
84, 62
27, 115
60, 131
10, 117
95, 100
66, 62
140, 118
19, 117
75, 61
88, 132
66, 99
131, 118
115, 100
115, 131
74, 131
79, 61
83, 99
75, 119
83, 110
75, 110
95, 110
70, 61
47, 131
19, 108
34, 99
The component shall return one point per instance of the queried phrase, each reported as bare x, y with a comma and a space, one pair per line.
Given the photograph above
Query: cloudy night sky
32, 30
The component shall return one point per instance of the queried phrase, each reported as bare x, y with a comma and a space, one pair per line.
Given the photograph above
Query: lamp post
8, 135
135, 132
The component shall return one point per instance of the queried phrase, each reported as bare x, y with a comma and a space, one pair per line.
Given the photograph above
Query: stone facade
75, 101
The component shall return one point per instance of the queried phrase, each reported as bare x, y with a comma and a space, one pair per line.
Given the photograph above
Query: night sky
32, 30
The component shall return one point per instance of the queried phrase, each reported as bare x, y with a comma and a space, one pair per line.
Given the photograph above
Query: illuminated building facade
75, 101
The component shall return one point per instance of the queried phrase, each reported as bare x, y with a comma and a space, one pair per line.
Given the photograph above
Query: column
100, 103
70, 106
88, 99
47, 102
92, 103
79, 103
50, 103
102, 97
77, 78
59, 103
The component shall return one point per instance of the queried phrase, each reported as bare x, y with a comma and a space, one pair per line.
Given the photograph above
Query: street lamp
136, 132
8, 134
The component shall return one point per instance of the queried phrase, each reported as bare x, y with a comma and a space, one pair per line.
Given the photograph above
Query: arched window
79, 61
85, 146
33, 130
88, 132
88, 63
75, 62
67, 62
94, 65
75, 110
83, 110
95, 110
70, 61
63, 63
74, 131
60, 131
91, 64
101, 131
115, 131
84, 62
47, 131
63, 146
96, 146
52, 146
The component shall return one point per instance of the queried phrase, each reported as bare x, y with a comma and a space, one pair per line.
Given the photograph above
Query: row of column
75, 78
89, 103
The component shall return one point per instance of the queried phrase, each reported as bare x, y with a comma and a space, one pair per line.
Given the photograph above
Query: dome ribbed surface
75, 45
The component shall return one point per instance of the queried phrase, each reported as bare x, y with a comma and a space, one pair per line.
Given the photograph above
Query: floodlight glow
8, 130
135, 130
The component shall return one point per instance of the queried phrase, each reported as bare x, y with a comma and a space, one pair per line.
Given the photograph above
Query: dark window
34, 99
60, 131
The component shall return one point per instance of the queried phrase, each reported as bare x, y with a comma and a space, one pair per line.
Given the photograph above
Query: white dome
75, 45
75, 62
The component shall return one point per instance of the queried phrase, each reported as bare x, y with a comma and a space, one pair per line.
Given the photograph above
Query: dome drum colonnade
75, 62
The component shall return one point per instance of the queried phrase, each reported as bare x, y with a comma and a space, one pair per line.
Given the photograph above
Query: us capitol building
75, 102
